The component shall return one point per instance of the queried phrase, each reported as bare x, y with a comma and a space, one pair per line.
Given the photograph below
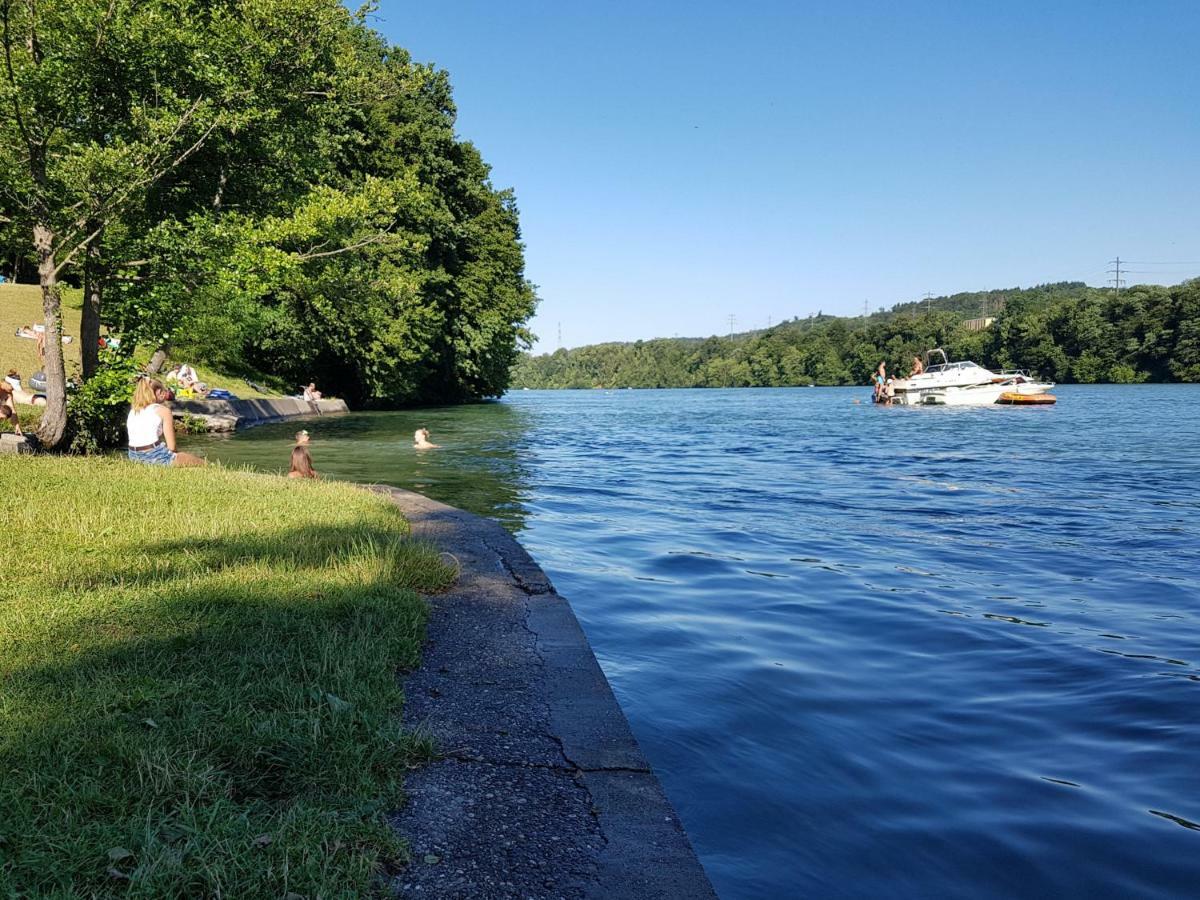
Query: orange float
1012, 398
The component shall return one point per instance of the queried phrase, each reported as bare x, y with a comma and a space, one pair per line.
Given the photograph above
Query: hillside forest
267, 188
1066, 332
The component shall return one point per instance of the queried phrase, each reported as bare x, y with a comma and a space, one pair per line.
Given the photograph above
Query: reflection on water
478, 464
871, 652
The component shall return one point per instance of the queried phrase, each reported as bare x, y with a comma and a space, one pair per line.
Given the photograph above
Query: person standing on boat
880, 378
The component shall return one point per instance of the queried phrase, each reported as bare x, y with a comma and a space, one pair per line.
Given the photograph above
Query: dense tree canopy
265, 185
1066, 332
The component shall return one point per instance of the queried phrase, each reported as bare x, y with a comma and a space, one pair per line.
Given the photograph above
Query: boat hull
973, 395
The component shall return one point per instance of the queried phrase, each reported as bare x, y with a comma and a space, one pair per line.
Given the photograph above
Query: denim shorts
158, 455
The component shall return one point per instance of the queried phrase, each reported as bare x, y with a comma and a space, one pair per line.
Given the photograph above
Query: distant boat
948, 383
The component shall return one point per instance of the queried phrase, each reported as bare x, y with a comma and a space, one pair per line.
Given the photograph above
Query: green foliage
97, 408
271, 189
1065, 332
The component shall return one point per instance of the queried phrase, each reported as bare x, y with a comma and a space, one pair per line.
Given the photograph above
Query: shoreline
541, 789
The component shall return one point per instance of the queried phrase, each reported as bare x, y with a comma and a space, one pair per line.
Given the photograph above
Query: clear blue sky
677, 163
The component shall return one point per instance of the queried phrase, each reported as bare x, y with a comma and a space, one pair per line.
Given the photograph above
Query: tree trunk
54, 418
157, 360
89, 325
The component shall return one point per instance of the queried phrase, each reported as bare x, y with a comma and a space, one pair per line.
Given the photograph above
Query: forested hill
1067, 332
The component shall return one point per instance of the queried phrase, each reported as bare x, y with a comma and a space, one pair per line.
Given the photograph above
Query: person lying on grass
19, 393
152, 428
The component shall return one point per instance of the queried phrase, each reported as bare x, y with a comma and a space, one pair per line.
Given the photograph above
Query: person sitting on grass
8, 406
302, 466
152, 428
302, 438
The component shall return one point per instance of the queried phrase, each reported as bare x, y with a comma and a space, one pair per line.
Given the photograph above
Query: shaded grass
198, 690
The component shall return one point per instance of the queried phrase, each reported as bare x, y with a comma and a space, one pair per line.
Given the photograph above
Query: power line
1116, 280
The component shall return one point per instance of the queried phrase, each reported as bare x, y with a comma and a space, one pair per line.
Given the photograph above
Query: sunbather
19, 393
8, 407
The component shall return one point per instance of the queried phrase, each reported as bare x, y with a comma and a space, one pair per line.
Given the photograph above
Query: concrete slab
542, 790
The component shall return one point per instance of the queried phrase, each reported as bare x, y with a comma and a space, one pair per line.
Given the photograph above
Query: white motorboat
945, 383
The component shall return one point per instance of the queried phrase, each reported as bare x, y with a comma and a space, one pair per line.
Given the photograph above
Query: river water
869, 651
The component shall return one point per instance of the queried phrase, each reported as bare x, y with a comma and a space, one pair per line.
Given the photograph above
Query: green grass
21, 304
198, 681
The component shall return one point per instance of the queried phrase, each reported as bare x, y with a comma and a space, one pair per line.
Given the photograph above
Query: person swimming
302, 466
421, 440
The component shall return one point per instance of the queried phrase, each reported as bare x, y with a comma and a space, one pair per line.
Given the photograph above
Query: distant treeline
1066, 332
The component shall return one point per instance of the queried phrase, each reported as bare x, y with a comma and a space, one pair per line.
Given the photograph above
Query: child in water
302, 466
421, 440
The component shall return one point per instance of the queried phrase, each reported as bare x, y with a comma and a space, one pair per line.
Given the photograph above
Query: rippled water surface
870, 652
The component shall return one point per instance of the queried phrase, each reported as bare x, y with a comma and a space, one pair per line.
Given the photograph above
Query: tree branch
12, 78
108, 209
373, 239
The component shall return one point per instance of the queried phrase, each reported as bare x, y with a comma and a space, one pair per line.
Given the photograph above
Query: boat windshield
954, 367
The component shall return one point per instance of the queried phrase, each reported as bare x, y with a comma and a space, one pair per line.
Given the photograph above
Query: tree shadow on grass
224, 726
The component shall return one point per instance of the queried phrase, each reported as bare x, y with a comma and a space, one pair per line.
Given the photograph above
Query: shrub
96, 409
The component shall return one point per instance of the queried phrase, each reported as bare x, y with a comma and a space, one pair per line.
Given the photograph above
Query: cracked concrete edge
646, 853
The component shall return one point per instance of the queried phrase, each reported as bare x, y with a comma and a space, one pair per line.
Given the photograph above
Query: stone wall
230, 415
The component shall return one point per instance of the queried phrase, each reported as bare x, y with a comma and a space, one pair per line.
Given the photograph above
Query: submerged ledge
541, 789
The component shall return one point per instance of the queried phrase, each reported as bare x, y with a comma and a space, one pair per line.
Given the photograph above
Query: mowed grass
198, 681
21, 304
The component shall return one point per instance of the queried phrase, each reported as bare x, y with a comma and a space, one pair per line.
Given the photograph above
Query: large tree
104, 102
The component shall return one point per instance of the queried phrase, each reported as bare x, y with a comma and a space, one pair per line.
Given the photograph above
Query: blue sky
679, 163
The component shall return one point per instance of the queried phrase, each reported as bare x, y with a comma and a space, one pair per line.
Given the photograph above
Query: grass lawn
21, 304
198, 691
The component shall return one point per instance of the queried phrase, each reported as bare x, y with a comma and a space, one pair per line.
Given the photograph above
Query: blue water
869, 651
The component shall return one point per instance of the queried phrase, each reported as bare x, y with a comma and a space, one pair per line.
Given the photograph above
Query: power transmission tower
928, 297
1116, 280
732, 322
864, 309
560, 335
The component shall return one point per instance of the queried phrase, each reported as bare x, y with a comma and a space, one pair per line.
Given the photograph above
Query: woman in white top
152, 428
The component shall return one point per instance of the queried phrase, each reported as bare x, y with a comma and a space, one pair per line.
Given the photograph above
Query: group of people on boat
885, 385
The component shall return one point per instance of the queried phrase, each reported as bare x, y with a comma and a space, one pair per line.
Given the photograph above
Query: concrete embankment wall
229, 415
540, 789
